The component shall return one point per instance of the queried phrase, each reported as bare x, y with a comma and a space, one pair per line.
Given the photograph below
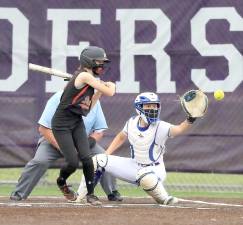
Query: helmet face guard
152, 115
148, 115
99, 69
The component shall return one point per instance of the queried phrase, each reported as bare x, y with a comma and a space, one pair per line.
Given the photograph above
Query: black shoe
93, 200
68, 193
15, 196
115, 196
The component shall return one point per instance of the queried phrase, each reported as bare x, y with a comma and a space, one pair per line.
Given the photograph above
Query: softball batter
67, 124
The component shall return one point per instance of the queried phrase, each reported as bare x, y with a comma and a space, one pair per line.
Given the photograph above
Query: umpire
48, 151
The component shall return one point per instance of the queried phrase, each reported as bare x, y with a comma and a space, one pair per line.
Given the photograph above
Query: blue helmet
148, 115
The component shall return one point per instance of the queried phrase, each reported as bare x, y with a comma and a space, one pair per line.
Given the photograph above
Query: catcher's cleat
170, 200
167, 201
93, 200
69, 194
115, 196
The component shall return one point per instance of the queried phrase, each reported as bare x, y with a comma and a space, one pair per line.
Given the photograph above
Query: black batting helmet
90, 54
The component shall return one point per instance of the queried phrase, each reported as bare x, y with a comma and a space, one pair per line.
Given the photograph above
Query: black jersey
74, 104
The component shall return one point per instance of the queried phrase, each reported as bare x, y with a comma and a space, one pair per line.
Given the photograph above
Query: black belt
151, 164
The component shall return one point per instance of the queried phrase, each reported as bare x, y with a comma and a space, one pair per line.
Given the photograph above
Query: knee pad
147, 179
150, 183
100, 161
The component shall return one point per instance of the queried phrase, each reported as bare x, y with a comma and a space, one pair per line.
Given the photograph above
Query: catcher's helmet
90, 54
148, 115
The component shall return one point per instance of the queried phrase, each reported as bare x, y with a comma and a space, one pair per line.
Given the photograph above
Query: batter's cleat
115, 196
69, 194
15, 196
93, 200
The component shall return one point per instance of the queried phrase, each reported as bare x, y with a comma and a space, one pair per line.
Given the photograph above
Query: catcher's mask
148, 115
90, 56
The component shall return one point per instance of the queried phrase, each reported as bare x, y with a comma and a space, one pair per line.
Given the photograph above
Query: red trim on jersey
80, 94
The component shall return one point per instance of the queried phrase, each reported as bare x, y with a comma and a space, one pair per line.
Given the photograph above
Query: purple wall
162, 45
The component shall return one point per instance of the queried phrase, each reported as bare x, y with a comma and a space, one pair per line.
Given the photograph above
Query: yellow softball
218, 95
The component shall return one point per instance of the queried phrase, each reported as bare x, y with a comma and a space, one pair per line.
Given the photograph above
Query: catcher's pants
44, 156
126, 168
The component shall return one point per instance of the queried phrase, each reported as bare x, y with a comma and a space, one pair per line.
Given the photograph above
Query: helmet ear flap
86, 61
140, 111
139, 108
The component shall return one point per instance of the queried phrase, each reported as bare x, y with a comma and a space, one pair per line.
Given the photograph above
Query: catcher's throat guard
194, 103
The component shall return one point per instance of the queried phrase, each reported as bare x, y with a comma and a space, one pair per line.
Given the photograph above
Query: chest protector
143, 144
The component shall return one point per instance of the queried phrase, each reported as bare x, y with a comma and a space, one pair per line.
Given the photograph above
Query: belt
151, 164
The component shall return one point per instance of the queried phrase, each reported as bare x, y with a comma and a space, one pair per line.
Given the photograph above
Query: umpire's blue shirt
94, 121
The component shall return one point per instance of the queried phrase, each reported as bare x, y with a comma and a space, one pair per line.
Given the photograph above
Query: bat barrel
50, 71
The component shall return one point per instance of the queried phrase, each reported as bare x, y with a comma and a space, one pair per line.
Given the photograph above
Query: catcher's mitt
194, 103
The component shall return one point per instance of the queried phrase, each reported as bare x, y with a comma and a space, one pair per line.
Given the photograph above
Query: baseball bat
50, 71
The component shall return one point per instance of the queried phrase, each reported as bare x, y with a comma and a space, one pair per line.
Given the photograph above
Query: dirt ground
135, 211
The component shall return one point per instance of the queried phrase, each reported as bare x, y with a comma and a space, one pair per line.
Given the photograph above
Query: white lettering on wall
233, 56
20, 46
60, 49
129, 49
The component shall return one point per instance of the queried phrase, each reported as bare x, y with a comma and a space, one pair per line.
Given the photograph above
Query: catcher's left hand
194, 103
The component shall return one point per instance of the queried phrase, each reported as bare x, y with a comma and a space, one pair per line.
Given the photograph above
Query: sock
61, 181
88, 170
64, 174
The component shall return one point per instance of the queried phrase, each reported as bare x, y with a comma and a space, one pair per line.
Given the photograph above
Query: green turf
172, 177
205, 178
49, 187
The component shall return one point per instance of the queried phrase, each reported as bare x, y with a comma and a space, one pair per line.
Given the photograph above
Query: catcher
147, 135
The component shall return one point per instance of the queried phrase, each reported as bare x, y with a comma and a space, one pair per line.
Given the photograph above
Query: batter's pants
44, 157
